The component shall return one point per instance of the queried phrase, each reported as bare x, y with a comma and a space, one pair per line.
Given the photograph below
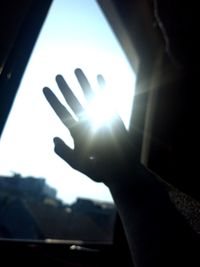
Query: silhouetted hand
102, 154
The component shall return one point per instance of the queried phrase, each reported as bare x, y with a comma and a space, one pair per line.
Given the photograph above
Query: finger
101, 81
87, 90
65, 152
69, 96
63, 114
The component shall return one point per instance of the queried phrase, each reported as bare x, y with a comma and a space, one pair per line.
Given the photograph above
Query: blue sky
75, 35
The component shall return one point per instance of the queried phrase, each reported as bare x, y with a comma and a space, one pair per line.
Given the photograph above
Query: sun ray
101, 110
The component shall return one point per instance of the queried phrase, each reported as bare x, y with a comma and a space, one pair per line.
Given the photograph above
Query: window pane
74, 35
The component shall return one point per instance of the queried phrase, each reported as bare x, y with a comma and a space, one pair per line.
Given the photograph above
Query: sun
101, 110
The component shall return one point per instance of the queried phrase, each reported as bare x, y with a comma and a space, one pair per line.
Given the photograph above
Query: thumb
65, 152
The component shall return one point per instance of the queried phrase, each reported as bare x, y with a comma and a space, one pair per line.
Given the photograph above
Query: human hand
102, 154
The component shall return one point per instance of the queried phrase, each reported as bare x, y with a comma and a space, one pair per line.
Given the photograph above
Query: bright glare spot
101, 110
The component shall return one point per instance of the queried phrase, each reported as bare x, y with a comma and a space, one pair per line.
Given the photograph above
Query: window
75, 34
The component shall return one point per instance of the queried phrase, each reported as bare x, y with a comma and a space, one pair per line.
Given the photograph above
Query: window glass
75, 35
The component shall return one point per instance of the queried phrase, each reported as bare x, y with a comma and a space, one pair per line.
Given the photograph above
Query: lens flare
101, 110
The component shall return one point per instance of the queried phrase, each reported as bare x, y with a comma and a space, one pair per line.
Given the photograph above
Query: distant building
16, 219
26, 186
29, 209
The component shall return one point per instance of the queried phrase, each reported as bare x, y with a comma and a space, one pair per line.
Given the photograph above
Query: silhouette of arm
157, 234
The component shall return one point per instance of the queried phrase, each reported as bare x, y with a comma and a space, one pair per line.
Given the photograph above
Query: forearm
157, 234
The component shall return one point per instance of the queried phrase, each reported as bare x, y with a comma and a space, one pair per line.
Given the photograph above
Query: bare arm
156, 233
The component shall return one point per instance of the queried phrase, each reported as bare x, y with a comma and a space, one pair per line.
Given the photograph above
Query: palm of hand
101, 154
